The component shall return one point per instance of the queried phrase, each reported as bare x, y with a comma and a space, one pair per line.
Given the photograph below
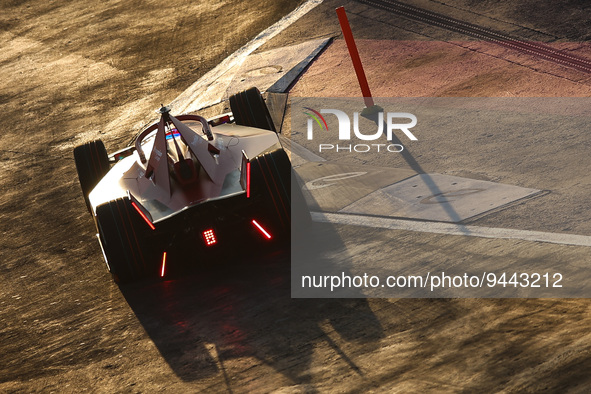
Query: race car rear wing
157, 168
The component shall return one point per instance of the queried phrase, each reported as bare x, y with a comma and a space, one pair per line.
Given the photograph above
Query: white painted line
188, 100
451, 229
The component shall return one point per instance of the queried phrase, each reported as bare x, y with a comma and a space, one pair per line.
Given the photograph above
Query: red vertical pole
346, 29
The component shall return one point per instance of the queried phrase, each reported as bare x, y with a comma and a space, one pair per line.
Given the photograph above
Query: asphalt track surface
67, 328
533, 48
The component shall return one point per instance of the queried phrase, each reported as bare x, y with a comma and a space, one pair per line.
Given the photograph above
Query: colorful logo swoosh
317, 117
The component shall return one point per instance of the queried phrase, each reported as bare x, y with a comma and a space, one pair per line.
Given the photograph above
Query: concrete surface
438, 197
332, 187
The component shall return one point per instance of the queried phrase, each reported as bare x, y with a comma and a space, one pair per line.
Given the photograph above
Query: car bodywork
189, 188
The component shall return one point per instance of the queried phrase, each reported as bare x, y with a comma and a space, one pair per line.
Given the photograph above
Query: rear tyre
249, 109
92, 164
123, 236
271, 178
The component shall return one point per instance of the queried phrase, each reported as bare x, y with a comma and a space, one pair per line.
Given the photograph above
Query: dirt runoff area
74, 71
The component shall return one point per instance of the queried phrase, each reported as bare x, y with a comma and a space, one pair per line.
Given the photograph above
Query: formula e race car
189, 188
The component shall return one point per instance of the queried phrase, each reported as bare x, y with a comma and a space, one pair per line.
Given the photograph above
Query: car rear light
143, 215
248, 179
163, 267
261, 229
209, 237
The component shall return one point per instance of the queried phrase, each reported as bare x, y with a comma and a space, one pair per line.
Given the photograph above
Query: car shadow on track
205, 325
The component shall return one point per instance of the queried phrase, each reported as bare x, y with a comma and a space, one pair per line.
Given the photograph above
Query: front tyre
249, 109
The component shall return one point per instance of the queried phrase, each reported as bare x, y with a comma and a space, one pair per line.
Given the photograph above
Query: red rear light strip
261, 229
143, 215
162, 269
248, 179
